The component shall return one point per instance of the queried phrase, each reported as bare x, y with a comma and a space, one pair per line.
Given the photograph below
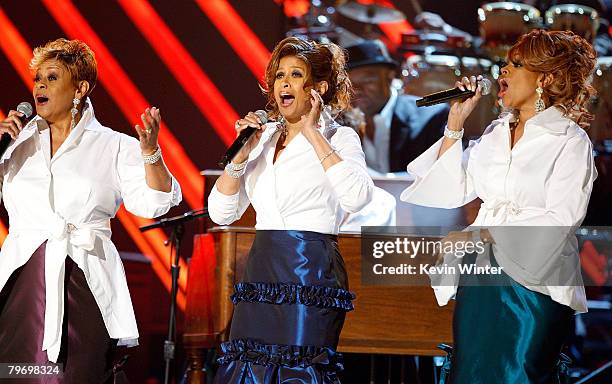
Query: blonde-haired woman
64, 296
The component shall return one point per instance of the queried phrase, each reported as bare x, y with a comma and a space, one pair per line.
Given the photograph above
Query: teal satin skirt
506, 333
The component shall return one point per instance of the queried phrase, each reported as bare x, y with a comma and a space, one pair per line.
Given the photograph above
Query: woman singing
301, 174
534, 171
64, 296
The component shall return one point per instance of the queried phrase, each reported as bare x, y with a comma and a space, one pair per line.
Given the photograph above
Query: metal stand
178, 230
169, 344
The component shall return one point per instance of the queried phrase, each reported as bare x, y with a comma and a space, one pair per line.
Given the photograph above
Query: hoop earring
539, 104
74, 111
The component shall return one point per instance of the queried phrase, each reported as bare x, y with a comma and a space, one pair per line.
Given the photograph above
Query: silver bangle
152, 158
453, 134
235, 170
327, 155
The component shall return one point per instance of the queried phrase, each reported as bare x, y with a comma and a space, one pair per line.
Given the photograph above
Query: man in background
395, 131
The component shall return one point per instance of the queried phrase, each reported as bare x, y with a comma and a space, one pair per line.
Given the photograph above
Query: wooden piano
386, 319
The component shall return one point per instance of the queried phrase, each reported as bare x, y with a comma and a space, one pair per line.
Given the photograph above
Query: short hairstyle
75, 55
571, 61
325, 62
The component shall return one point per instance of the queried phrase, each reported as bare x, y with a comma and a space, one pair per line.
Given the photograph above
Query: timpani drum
425, 74
580, 19
502, 23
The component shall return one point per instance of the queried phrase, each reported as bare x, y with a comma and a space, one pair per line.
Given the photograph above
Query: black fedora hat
368, 52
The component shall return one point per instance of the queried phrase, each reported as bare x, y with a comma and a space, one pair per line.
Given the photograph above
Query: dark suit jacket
413, 130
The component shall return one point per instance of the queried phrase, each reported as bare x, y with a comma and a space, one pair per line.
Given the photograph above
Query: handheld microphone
453, 93
242, 138
27, 110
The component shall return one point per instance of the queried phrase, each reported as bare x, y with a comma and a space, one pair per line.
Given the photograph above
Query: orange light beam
3, 230
161, 263
15, 48
238, 34
185, 69
128, 98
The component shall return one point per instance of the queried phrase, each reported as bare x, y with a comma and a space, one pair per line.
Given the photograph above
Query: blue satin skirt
505, 333
288, 312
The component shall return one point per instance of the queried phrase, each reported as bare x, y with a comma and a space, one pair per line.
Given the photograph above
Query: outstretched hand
147, 134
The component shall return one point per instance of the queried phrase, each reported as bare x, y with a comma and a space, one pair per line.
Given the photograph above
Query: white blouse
68, 200
295, 192
544, 180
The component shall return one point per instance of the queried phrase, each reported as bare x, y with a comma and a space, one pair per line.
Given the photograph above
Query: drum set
436, 55
428, 66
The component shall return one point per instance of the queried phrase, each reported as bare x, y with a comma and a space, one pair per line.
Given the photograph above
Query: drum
501, 24
601, 105
425, 74
580, 19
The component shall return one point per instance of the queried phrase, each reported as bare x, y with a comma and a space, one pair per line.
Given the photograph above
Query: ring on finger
237, 124
148, 130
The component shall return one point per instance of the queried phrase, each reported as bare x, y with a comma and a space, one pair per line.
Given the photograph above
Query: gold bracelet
327, 155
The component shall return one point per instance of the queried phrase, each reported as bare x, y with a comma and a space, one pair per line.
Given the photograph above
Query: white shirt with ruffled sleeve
68, 200
544, 180
295, 192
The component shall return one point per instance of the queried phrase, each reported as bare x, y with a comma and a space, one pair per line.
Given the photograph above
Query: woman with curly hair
533, 169
63, 292
301, 174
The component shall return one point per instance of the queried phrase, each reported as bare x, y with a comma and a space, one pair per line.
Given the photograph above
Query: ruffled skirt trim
321, 359
286, 293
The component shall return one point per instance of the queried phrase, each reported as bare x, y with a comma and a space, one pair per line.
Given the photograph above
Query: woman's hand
250, 120
11, 124
454, 237
463, 238
310, 121
460, 110
151, 120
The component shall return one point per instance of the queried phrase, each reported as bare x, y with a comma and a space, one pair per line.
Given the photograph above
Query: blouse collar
551, 119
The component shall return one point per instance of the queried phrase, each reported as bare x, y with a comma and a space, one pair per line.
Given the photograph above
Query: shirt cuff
438, 181
338, 170
222, 208
165, 199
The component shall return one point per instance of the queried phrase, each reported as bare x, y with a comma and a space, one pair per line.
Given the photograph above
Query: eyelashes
280, 75
51, 77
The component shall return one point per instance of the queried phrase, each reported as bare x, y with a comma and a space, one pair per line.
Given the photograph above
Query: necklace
284, 132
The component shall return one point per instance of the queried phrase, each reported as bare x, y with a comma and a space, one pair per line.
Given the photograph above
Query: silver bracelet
152, 158
327, 155
453, 134
235, 171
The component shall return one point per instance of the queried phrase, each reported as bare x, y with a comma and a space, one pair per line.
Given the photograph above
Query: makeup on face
53, 90
517, 85
291, 93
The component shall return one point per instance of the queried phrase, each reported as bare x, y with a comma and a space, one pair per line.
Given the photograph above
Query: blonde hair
325, 62
75, 55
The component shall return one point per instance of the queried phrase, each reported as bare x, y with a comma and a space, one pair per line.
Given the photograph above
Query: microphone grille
25, 108
263, 115
485, 86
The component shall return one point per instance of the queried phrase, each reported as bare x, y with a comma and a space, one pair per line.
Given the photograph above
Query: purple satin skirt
86, 351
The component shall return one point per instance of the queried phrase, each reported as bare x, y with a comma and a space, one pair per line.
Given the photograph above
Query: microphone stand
177, 223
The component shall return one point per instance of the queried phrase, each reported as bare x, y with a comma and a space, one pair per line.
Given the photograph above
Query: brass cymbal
371, 13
